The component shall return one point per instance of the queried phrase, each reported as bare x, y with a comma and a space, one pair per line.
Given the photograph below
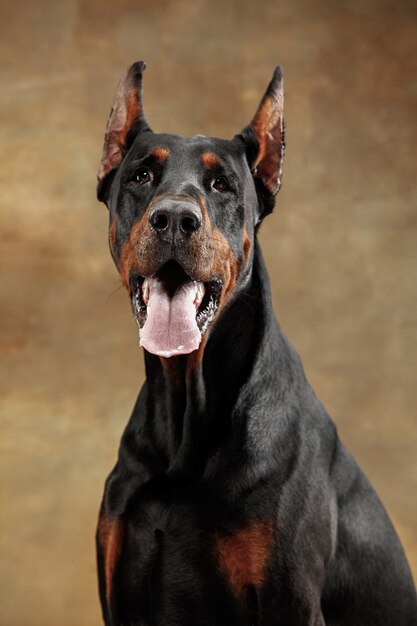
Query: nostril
190, 224
159, 221
174, 220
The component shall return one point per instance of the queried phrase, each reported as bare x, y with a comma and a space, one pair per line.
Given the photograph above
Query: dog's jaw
173, 311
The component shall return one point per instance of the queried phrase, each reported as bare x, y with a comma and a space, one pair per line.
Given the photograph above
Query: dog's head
184, 213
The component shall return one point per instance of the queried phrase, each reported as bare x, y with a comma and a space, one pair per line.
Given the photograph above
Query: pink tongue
170, 326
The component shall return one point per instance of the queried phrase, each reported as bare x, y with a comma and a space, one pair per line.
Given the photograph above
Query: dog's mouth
173, 311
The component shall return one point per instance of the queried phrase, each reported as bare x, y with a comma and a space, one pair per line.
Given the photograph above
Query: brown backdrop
341, 246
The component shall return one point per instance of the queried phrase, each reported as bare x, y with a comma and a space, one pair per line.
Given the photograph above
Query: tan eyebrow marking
160, 154
209, 159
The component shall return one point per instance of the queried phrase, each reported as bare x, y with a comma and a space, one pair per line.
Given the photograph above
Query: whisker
100, 230
112, 293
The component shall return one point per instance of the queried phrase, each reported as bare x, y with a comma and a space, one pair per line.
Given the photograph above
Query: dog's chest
188, 539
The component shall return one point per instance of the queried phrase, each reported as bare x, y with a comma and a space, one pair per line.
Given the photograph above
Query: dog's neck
207, 397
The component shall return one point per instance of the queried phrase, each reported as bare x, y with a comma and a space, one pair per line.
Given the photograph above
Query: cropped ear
264, 139
125, 122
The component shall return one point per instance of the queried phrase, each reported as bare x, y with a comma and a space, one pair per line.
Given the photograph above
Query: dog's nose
175, 220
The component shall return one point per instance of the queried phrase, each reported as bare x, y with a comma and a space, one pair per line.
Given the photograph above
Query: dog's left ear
265, 145
125, 122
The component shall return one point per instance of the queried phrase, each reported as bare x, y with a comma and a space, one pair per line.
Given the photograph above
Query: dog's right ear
125, 122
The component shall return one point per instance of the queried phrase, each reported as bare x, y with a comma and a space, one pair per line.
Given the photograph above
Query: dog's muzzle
175, 220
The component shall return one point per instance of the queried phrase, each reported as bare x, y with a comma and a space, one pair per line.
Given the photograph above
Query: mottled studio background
341, 247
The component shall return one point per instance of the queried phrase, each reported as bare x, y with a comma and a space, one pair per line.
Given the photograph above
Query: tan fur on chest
243, 556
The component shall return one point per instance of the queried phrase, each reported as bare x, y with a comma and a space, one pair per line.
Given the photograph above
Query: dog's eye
221, 184
143, 176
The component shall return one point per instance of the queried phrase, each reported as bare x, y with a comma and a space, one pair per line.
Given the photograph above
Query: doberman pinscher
233, 502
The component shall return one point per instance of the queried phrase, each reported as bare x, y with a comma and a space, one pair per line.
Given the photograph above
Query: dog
233, 501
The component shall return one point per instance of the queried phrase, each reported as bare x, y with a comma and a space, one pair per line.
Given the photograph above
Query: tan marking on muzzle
225, 264
128, 255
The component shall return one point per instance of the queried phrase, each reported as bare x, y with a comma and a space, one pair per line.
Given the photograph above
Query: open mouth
173, 311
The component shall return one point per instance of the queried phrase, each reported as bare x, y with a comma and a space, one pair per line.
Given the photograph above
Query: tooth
200, 291
145, 291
